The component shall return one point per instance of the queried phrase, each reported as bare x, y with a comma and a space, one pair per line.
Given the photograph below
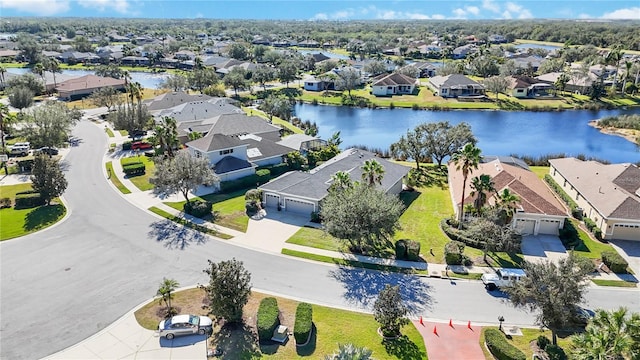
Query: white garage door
299, 207
626, 232
549, 227
525, 226
272, 200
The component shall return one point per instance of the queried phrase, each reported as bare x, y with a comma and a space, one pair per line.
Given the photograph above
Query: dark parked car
46, 150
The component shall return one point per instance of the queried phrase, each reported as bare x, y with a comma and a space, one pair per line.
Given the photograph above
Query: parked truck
502, 277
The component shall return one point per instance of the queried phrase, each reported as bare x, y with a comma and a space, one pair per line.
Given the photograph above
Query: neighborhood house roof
89, 82
295, 141
454, 81
172, 99
394, 79
230, 163
614, 190
198, 110
213, 142
315, 183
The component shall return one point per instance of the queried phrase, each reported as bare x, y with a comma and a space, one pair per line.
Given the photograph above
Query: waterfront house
83, 86
527, 87
393, 84
455, 85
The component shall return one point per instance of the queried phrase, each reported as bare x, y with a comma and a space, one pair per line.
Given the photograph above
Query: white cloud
121, 6
320, 16
438, 17
629, 13
491, 6
37, 7
506, 15
370, 11
459, 13
585, 16
518, 10
473, 10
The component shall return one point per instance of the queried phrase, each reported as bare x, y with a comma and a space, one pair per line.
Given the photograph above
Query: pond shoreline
628, 134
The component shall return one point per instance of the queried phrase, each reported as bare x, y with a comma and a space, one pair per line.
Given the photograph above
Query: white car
501, 278
185, 325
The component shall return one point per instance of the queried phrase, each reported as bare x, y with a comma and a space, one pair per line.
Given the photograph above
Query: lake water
498, 132
537, 46
147, 80
326, 53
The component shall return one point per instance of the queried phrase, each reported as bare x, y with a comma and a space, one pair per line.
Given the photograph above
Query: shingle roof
89, 82
198, 110
237, 124
453, 80
230, 163
314, 184
213, 142
172, 99
259, 148
393, 79
611, 189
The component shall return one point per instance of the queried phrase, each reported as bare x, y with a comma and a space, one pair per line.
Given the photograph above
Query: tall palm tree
613, 58
167, 286
507, 201
610, 335
340, 181
480, 186
52, 65
350, 352
167, 135
372, 172
38, 69
627, 73
3, 71
466, 159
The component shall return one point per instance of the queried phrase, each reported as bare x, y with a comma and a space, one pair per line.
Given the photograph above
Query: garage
299, 207
525, 226
549, 227
626, 232
271, 200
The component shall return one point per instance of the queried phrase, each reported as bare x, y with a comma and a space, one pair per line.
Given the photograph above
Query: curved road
64, 284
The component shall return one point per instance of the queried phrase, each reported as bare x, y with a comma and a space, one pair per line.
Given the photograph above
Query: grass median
228, 208
114, 179
189, 224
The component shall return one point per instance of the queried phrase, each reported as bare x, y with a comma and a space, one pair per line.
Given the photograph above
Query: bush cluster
500, 348
304, 323
454, 234
26, 165
569, 235
28, 199
593, 228
277, 170
614, 262
267, 318
454, 253
5, 203
263, 175
408, 250
243, 183
134, 169
575, 211
555, 352
542, 342
127, 145
198, 208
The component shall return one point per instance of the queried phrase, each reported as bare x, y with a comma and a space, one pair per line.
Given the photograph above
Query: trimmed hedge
413, 250
575, 212
198, 208
277, 170
569, 235
263, 175
239, 184
555, 352
134, 169
500, 348
455, 234
593, 228
614, 262
401, 249
453, 253
304, 323
267, 318
28, 199
127, 145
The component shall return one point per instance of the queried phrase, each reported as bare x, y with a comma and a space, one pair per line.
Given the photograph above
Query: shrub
28, 199
500, 348
239, 184
454, 234
251, 207
453, 251
315, 217
413, 250
263, 175
253, 194
277, 170
555, 352
304, 323
576, 212
569, 235
26, 165
134, 169
401, 249
198, 208
543, 341
127, 145
267, 318
5, 203
614, 261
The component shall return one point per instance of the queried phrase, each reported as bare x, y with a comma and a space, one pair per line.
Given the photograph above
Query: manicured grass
189, 224
618, 283
275, 120
109, 132
141, 181
589, 248
332, 326
468, 276
528, 335
20, 222
114, 179
316, 238
540, 171
228, 208
123, 132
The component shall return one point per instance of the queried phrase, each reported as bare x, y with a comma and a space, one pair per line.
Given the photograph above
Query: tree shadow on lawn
362, 287
236, 342
43, 216
403, 348
175, 236
310, 347
428, 176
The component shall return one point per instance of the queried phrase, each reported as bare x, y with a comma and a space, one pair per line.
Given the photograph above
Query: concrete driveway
630, 251
542, 247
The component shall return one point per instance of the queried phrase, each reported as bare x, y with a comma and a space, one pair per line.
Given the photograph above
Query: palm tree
466, 159
167, 286
340, 181
480, 186
52, 65
613, 58
38, 69
372, 172
507, 201
627, 73
561, 81
2, 72
610, 335
167, 135
350, 352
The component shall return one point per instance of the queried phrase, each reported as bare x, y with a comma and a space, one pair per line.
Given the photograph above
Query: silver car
185, 325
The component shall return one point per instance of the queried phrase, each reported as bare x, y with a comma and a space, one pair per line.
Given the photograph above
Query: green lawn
189, 224
109, 132
540, 171
275, 120
228, 209
316, 238
123, 132
528, 335
589, 248
114, 179
15, 223
141, 181
618, 283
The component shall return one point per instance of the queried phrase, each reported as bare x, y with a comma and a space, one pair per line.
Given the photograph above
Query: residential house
302, 143
393, 84
135, 61
8, 55
74, 57
462, 52
455, 85
226, 154
528, 63
78, 88
301, 192
171, 99
426, 69
527, 87
609, 195
537, 212
497, 39
184, 55
309, 44
577, 82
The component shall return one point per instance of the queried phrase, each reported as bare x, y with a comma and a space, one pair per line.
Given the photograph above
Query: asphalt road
64, 284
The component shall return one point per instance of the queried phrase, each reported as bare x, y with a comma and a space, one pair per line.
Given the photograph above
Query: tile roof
393, 79
614, 190
89, 82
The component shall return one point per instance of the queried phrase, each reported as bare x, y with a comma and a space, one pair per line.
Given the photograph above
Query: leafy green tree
228, 290
182, 173
49, 124
376, 67
166, 134
372, 172
258, 52
442, 139
20, 97
496, 236
610, 335
277, 106
496, 84
47, 178
341, 181
389, 311
466, 159
175, 82
236, 79
295, 160
30, 81
348, 79
166, 289
199, 79
552, 291
80, 43
263, 74
561, 81
350, 352
411, 146
111, 70
273, 57
363, 216
29, 46
238, 51
288, 71
106, 96
130, 118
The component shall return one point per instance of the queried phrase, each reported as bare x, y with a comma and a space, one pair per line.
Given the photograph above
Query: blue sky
327, 9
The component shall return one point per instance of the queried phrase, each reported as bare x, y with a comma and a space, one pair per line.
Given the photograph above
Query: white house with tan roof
608, 194
537, 212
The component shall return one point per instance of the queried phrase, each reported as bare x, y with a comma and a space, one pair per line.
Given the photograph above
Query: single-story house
302, 143
8, 55
393, 84
301, 192
455, 85
74, 57
313, 84
577, 83
526, 87
135, 61
529, 61
537, 212
426, 69
85, 85
608, 194
171, 99
461, 52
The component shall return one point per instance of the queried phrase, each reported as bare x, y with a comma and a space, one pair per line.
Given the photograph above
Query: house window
198, 154
225, 152
444, 91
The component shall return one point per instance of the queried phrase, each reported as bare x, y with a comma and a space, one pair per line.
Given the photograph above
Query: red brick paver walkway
451, 343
